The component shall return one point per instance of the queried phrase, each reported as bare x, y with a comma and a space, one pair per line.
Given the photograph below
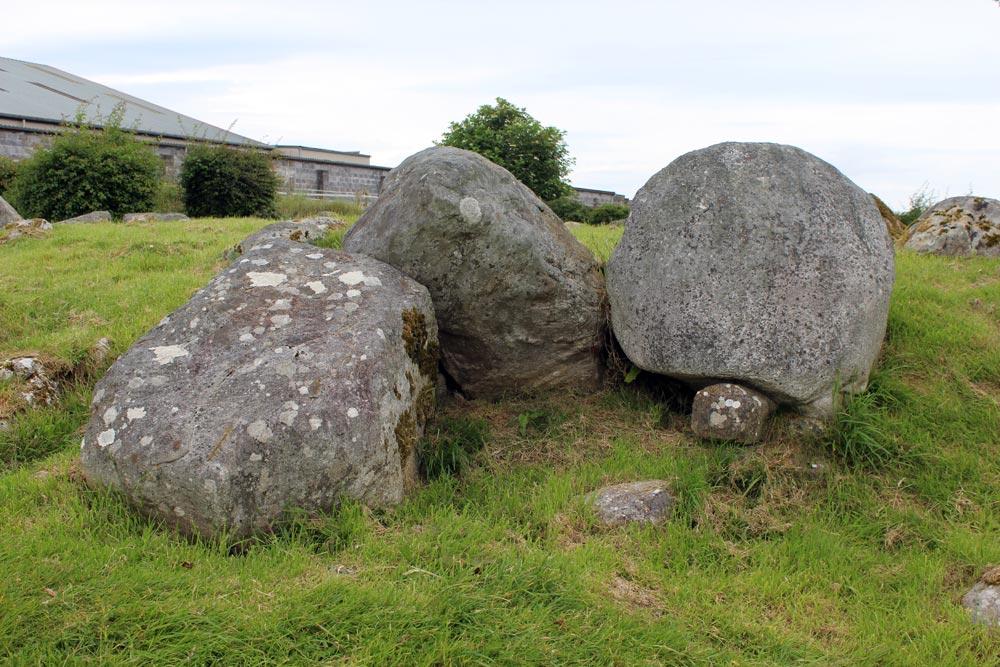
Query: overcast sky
895, 93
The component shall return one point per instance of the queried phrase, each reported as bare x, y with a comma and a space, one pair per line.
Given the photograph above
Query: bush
606, 213
8, 169
570, 209
508, 136
220, 181
86, 169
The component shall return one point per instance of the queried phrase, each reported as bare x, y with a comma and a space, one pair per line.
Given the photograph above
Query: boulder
516, 295
305, 231
957, 226
983, 601
298, 376
35, 227
94, 216
154, 217
758, 264
7, 213
893, 224
633, 502
732, 413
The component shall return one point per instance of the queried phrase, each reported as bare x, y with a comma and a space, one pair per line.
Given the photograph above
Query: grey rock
35, 227
154, 217
517, 296
754, 263
304, 231
732, 413
634, 502
95, 216
7, 213
297, 377
33, 384
958, 226
983, 601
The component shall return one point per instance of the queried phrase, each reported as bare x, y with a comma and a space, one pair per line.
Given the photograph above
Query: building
36, 101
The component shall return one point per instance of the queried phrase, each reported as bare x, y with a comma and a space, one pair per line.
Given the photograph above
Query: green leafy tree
222, 181
8, 169
87, 169
510, 137
570, 208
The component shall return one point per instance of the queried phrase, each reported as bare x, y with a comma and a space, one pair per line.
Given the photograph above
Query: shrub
86, 169
606, 213
8, 169
570, 209
220, 181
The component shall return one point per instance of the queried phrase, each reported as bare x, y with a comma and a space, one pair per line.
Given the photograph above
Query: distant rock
983, 601
893, 224
154, 217
730, 412
634, 502
95, 216
958, 226
757, 264
35, 227
297, 377
35, 388
7, 214
518, 298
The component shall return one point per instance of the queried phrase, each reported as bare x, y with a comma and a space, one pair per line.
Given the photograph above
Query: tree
226, 182
87, 169
510, 137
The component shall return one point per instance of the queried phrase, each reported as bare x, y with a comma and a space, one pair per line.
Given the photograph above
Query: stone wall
597, 197
314, 176
19, 143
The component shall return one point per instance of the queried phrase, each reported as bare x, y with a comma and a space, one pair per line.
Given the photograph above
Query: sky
901, 95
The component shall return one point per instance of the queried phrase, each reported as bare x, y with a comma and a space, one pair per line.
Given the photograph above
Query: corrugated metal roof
41, 93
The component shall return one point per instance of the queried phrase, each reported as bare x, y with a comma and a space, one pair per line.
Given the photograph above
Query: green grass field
848, 549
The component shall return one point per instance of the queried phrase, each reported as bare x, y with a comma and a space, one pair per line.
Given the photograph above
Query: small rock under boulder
758, 264
634, 502
298, 376
958, 227
517, 296
732, 413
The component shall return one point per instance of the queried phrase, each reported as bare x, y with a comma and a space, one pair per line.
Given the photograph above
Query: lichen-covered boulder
298, 376
893, 224
33, 228
305, 231
517, 297
7, 213
957, 226
93, 216
758, 264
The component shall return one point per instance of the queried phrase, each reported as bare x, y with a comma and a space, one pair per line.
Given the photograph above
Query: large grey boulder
758, 264
305, 231
93, 216
297, 377
957, 226
7, 213
516, 295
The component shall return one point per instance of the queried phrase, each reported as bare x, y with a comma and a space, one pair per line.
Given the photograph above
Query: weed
452, 445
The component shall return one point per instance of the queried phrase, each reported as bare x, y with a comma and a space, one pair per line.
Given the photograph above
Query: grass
847, 549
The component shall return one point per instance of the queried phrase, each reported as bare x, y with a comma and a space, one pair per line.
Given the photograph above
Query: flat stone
634, 502
95, 216
731, 412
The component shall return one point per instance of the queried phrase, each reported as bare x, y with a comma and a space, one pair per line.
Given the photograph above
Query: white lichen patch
105, 438
317, 286
259, 330
291, 412
146, 441
304, 391
350, 307
256, 457
315, 423
194, 323
158, 380
329, 265
281, 304
259, 431
280, 320
165, 354
135, 413
717, 419
99, 394
135, 383
352, 293
357, 278
315, 255
266, 279
110, 415
260, 262
352, 412
380, 333
247, 338
469, 210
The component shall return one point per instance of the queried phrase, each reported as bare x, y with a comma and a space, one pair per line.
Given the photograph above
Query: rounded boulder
758, 264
